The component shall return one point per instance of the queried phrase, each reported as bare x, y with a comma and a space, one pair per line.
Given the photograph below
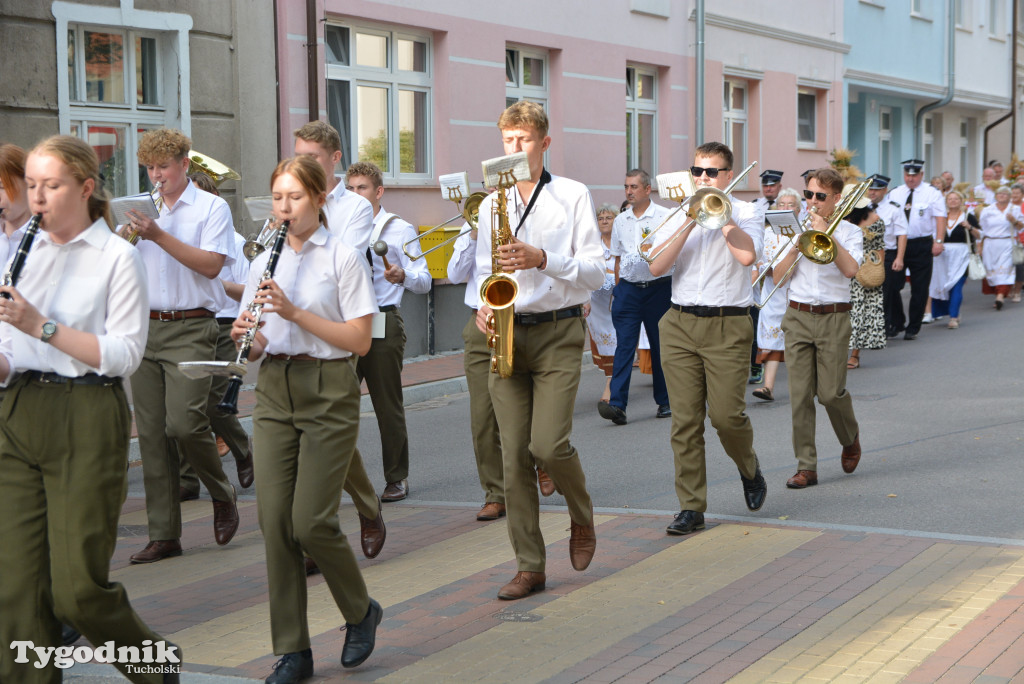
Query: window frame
814, 94
394, 81
171, 31
516, 90
635, 107
731, 116
885, 137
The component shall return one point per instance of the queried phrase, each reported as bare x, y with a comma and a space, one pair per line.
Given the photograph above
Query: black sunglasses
699, 171
811, 195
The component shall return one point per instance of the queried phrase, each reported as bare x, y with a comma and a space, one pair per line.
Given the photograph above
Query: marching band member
14, 211
350, 217
382, 365
817, 329
184, 251
557, 260
705, 342
75, 325
317, 307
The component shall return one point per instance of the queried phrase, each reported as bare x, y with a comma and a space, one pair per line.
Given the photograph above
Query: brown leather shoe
851, 455
245, 470
311, 567
225, 519
582, 543
185, 495
523, 584
544, 481
372, 533
157, 550
803, 478
395, 491
491, 510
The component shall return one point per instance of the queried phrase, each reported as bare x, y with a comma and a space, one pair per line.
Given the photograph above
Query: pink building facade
418, 87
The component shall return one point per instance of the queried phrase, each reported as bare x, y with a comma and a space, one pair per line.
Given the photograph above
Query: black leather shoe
360, 639
686, 522
909, 336
69, 635
755, 490
292, 668
612, 413
664, 411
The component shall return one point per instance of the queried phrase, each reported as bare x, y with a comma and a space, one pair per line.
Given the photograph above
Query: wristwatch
938, 241
49, 328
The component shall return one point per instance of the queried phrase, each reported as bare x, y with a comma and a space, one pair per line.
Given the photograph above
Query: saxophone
500, 290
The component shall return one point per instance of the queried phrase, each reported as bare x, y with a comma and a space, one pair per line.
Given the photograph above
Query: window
885, 140
734, 120
995, 18
962, 12
378, 97
641, 119
964, 161
928, 147
915, 6
526, 76
806, 117
114, 83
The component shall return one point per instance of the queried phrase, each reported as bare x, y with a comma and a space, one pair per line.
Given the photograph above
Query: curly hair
367, 170
162, 144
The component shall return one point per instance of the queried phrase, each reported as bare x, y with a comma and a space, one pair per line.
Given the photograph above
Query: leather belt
389, 307
649, 283
838, 307
548, 316
179, 315
293, 357
711, 311
58, 379
929, 238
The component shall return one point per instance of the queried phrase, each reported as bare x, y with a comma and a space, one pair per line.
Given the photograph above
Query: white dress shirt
327, 278
199, 219
235, 272
563, 224
396, 233
994, 223
462, 268
985, 194
706, 272
9, 244
95, 283
349, 216
813, 283
928, 203
887, 211
628, 231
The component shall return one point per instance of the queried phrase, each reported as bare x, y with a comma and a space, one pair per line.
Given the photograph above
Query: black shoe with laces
360, 638
664, 411
292, 668
754, 490
686, 522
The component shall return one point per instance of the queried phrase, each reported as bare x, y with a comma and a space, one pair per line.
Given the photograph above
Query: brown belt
179, 315
293, 357
839, 307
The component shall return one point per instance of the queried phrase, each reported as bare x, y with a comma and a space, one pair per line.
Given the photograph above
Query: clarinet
229, 404
18, 262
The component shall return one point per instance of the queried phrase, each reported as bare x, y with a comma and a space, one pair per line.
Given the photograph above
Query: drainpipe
312, 70
699, 81
1013, 97
277, 80
951, 58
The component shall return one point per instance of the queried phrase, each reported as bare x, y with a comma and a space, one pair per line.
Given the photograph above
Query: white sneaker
927, 319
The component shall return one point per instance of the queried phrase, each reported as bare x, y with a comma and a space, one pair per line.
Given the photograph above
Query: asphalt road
940, 420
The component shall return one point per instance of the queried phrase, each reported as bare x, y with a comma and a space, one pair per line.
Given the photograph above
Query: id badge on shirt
378, 327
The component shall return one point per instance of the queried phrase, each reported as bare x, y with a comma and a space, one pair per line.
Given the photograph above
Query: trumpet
470, 213
132, 235
817, 245
708, 207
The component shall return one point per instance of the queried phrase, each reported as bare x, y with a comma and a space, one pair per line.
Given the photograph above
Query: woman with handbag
999, 225
867, 317
949, 270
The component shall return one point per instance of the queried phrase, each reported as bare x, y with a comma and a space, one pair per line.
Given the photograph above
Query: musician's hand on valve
481, 318
20, 313
519, 256
146, 227
242, 325
273, 299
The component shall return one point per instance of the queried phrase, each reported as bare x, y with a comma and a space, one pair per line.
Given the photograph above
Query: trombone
819, 246
709, 207
470, 212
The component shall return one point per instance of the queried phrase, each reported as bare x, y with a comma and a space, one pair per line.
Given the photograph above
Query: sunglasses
699, 171
820, 196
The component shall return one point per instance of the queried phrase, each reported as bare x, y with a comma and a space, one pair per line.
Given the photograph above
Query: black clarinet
229, 404
18, 262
